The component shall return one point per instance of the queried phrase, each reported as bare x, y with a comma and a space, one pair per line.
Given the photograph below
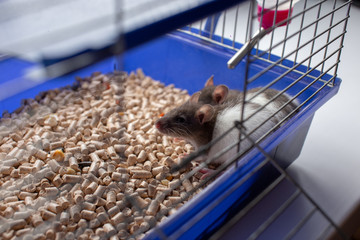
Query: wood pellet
85, 161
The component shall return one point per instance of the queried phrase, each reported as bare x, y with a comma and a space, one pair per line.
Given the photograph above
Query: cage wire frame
208, 33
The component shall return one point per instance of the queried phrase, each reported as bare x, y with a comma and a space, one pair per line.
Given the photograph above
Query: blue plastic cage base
187, 62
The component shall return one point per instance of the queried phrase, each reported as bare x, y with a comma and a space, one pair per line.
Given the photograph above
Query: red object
268, 17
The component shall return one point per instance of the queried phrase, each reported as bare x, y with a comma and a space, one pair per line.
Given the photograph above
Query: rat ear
220, 93
195, 97
205, 113
210, 81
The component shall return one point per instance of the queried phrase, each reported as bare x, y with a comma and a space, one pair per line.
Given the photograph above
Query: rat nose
158, 125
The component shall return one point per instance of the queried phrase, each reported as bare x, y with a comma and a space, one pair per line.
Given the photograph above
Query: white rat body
225, 121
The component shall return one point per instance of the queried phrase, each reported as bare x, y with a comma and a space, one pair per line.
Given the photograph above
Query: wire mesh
312, 31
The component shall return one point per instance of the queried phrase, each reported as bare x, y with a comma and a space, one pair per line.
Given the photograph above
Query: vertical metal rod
342, 39
201, 23
235, 25
287, 28
273, 30
223, 27
260, 26
329, 34
251, 9
315, 32
247, 35
212, 26
118, 28
300, 32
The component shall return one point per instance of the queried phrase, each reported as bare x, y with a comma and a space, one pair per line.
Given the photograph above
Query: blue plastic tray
187, 62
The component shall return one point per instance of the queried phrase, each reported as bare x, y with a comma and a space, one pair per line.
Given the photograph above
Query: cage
291, 47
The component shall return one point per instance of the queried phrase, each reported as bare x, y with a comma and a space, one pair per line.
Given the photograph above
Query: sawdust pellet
51, 191
138, 201
73, 163
142, 156
187, 184
153, 207
118, 218
115, 176
141, 174
50, 234
54, 207
109, 229
102, 217
55, 145
132, 159
99, 191
63, 202
47, 215
6, 170
11, 199
89, 206
54, 165
151, 190
67, 178
17, 224
9, 212
88, 215
152, 157
94, 223
41, 154
113, 211
64, 218
91, 188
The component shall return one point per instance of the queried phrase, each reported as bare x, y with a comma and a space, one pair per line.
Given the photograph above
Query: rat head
192, 121
211, 94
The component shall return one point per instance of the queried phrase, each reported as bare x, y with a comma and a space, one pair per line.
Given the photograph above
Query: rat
199, 123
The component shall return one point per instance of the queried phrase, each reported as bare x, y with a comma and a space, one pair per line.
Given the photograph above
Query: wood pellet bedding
85, 161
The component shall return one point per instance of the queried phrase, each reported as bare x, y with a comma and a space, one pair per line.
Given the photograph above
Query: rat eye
180, 119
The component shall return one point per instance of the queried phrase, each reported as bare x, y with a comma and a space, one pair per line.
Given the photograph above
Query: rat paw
177, 139
206, 173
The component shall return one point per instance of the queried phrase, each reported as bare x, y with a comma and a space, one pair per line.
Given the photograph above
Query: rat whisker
174, 132
187, 130
183, 132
